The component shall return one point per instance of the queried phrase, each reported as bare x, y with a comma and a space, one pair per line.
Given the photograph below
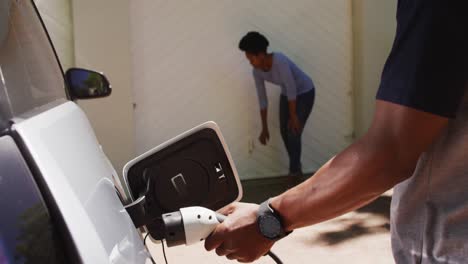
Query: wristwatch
270, 223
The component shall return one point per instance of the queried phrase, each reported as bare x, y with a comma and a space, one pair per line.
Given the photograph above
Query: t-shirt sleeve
261, 91
428, 66
287, 78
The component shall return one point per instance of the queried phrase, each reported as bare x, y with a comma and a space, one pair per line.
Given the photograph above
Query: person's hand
294, 125
264, 136
238, 237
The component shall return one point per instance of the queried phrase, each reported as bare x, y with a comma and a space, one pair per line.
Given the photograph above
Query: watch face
270, 227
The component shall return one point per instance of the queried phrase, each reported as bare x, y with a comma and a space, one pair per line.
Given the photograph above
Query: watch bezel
265, 211
263, 225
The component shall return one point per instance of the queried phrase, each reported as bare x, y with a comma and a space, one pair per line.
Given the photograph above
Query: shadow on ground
358, 225
257, 191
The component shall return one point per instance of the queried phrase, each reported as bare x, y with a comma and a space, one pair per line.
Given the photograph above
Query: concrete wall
188, 69
374, 25
101, 40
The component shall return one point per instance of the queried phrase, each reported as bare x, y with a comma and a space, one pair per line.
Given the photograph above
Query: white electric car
57, 197
60, 200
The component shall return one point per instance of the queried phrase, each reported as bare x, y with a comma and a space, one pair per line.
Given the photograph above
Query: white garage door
187, 69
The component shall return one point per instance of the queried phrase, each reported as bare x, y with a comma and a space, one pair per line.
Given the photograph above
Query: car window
27, 233
30, 76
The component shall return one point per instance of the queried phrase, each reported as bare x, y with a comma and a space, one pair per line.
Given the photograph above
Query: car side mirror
86, 84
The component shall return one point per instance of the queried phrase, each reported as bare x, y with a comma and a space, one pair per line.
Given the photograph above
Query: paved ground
358, 237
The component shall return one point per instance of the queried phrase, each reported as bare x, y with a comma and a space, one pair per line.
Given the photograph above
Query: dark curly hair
254, 42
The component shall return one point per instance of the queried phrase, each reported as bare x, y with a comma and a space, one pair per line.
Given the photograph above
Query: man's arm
291, 92
263, 103
265, 134
385, 156
264, 116
261, 91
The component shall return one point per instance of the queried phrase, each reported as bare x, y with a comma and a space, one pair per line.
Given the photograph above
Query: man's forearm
348, 181
264, 115
385, 156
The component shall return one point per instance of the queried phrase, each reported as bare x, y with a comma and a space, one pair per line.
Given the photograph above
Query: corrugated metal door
187, 70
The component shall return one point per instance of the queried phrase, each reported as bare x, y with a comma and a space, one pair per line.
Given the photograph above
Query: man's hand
264, 136
238, 237
294, 125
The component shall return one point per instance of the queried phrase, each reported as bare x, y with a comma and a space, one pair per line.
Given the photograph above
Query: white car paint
64, 147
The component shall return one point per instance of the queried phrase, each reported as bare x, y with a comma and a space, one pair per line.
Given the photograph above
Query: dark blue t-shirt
428, 66
427, 70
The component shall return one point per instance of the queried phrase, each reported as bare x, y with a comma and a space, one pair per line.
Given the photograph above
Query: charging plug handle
190, 225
